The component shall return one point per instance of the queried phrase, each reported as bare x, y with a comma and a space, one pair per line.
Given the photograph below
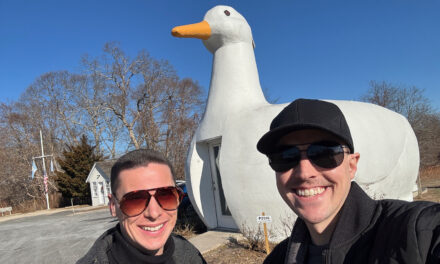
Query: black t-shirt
314, 254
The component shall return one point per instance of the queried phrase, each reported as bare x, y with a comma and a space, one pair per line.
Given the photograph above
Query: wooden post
266, 240
71, 202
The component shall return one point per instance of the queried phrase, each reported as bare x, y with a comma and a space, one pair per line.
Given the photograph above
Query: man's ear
353, 161
112, 205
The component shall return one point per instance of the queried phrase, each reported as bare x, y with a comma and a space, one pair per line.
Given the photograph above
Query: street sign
264, 219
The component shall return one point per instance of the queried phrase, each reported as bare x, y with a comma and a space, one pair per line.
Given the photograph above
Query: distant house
99, 179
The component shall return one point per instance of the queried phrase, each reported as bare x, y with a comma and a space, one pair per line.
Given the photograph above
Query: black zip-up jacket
369, 231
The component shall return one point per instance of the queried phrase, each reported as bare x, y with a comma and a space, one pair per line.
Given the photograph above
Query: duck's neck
235, 85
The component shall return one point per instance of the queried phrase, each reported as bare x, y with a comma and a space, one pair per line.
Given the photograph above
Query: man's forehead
145, 177
306, 136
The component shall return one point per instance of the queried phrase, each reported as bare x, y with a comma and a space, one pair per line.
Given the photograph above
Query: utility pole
45, 178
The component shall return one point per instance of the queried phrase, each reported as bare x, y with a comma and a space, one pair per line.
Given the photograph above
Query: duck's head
221, 26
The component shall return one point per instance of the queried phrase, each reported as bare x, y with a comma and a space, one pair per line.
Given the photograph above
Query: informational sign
264, 219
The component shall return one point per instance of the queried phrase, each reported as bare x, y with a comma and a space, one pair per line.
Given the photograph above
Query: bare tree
148, 99
411, 103
153, 95
114, 135
50, 95
19, 143
118, 71
117, 101
181, 119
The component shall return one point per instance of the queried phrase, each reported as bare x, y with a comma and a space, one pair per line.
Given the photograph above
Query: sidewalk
213, 239
76, 209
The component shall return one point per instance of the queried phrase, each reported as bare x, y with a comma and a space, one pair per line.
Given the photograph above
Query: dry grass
433, 195
254, 239
36, 204
188, 223
430, 179
186, 230
430, 176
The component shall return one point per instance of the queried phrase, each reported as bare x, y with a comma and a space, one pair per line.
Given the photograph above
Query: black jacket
182, 251
369, 231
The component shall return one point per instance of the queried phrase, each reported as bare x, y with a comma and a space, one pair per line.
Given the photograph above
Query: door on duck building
224, 217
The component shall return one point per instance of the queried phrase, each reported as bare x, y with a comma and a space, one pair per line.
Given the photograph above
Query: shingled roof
104, 167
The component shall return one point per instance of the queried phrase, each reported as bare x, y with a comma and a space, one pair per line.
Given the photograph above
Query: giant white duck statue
229, 182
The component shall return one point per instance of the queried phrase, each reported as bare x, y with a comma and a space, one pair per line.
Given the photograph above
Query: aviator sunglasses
326, 154
135, 202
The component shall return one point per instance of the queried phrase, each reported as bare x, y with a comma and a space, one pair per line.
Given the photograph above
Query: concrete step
213, 239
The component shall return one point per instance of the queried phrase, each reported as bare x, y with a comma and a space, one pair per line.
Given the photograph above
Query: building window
108, 187
95, 188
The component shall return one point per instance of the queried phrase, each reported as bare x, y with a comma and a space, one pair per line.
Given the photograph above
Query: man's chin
152, 247
311, 217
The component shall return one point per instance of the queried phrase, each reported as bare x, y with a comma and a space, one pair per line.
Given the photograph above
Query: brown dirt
233, 253
430, 177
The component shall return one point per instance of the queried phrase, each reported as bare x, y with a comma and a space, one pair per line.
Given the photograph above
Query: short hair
134, 159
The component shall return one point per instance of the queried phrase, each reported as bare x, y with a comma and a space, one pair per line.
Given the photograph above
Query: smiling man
144, 199
311, 150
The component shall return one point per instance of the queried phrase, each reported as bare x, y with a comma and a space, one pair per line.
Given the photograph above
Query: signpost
265, 219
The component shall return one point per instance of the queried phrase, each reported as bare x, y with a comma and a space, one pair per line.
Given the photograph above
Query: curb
79, 209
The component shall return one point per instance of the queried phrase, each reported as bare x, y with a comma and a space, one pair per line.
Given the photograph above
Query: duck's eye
227, 13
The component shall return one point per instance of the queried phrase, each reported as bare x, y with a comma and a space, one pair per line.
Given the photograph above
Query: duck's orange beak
200, 30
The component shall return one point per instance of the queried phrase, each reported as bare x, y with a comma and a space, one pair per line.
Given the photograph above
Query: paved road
58, 238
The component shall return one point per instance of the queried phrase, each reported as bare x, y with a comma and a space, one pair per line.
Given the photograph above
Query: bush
188, 222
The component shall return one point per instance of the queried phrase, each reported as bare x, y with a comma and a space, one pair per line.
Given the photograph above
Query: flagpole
44, 171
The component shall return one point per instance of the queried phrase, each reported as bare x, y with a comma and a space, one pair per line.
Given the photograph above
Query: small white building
99, 179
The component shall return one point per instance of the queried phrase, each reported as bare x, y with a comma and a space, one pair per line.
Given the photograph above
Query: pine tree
77, 162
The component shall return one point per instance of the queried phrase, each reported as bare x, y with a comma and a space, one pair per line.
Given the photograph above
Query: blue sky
313, 49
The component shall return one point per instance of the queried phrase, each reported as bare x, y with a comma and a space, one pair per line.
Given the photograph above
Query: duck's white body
237, 115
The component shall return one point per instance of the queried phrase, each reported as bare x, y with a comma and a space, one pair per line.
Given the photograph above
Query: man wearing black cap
310, 148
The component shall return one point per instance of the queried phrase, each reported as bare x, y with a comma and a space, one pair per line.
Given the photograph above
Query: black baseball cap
304, 114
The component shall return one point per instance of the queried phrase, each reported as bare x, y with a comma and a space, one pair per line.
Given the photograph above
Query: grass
430, 176
430, 179
36, 204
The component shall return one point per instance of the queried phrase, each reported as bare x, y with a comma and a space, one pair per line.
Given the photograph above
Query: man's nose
153, 210
305, 169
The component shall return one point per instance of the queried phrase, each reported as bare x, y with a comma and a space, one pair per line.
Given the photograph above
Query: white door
101, 192
224, 217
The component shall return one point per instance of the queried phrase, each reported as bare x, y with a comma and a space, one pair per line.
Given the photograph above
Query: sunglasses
326, 154
135, 202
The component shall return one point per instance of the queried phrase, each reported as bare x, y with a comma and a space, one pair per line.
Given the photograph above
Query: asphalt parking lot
62, 237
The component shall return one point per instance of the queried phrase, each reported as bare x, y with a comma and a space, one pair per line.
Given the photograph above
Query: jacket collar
358, 211
356, 215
